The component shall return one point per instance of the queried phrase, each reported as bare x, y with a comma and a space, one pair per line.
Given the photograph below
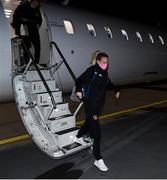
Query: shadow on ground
62, 171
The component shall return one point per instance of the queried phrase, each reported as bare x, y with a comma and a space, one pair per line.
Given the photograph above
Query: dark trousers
25, 58
92, 127
35, 39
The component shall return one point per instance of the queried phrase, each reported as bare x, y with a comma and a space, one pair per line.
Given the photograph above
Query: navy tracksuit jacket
97, 82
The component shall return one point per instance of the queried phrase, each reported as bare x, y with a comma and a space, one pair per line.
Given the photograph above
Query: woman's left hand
117, 95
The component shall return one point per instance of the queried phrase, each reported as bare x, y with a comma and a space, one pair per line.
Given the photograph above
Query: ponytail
94, 57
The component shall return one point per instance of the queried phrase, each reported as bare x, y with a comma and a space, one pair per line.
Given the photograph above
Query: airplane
68, 38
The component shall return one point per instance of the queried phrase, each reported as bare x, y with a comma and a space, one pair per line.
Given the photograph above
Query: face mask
103, 66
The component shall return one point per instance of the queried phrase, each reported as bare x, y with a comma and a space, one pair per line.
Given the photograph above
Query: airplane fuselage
137, 52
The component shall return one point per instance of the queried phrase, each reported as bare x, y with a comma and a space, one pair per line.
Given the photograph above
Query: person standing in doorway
91, 87
28, 14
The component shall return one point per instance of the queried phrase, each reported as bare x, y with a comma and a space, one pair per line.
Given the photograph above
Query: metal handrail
56, 68
39, 73
69, 69
64, 60
26, 69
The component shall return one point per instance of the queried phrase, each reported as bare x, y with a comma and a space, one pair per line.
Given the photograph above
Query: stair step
71, 146
66, 137
60, 117
67, 131
61, 123
69, 150
61, 110
36, 87
44, 98
34, 76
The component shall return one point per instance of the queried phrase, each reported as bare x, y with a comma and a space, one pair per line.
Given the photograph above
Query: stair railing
69, 69
63, 61
32, 60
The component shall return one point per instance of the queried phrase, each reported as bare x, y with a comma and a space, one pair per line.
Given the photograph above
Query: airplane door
43, 30
45, 38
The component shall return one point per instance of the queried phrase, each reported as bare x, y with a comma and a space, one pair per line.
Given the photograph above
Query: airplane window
161, 39
125, 35
139, 36
109, 32
69, 27
8, 13
151, 38
91, 29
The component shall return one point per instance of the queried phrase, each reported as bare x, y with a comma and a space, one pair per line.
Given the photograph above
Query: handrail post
77, 110
26, 69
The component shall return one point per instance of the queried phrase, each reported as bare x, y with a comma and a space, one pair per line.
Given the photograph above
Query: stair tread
31, 81
67, 131
60, 117
42, 70
71, 146
47, 105
46, 92
37, 80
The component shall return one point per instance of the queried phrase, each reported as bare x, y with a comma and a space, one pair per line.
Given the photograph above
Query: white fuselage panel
5, 59
130, 59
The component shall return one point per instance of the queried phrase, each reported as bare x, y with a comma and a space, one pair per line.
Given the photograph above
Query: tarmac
133, 145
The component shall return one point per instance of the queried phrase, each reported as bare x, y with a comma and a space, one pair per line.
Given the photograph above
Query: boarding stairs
45, 114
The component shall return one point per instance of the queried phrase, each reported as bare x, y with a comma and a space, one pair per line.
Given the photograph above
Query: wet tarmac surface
133, 146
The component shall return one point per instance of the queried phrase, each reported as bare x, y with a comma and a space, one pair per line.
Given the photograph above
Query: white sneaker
100, 165
80, 141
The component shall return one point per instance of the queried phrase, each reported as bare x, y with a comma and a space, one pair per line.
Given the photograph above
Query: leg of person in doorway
35, 39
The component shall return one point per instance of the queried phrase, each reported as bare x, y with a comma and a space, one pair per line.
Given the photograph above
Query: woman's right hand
79, 94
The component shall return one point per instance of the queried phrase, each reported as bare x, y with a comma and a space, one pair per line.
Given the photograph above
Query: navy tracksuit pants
92, 127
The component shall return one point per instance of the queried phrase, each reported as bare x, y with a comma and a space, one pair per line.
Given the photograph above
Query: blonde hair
94, 57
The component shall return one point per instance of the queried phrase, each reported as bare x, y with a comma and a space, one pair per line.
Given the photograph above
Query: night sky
143, 11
